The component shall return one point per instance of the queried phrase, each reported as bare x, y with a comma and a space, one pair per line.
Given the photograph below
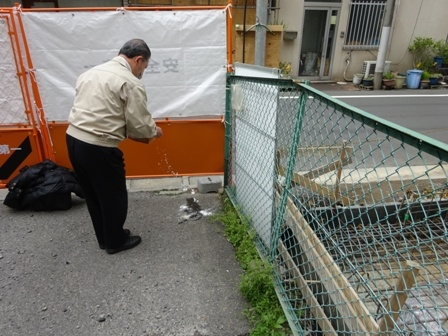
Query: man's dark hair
135, 47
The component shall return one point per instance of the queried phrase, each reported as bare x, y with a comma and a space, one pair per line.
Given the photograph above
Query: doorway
317, 49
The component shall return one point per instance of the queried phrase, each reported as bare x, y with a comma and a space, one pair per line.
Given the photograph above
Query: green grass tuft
257, 286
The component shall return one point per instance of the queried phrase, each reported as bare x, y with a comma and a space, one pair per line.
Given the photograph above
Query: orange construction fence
189, 146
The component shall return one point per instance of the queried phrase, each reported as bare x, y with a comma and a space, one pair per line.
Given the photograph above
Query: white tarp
12, 108
255, 108
186, 76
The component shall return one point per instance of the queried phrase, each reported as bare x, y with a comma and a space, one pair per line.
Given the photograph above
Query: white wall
291, 14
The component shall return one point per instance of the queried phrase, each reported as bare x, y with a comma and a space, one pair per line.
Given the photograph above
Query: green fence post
289, 172
227, 132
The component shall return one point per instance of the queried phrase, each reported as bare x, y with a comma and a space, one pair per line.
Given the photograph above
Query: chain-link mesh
12, 110
350, 209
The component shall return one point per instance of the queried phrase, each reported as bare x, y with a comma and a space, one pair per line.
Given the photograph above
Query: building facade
338, 38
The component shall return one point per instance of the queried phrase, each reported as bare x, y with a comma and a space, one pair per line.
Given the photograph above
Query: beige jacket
110, 106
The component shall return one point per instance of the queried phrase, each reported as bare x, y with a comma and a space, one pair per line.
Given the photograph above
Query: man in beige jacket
110, 105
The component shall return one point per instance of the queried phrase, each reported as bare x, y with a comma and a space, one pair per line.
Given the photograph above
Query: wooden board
307, 179
273, 44
356, 315
238, 16
155, 2
311, 300
242, 3
388, 281
316, 187
405, 282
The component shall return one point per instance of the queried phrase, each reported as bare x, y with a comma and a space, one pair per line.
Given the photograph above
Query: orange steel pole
21, 75
45, 134
93, 9
229, 37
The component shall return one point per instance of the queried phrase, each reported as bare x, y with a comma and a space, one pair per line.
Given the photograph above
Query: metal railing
350, 210
364, 24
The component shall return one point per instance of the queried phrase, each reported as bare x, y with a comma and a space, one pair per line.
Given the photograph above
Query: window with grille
364, 24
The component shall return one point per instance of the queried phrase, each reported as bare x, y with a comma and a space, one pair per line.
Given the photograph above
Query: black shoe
131, 241
127, 233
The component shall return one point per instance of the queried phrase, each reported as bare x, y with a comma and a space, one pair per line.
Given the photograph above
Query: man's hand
159, 132
142, 140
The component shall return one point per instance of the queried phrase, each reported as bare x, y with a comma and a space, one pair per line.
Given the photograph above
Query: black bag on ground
44, 186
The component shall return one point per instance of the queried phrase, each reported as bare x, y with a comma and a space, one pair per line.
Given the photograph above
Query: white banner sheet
12, 107
186, 76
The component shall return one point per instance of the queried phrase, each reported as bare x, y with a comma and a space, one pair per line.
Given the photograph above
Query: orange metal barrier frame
46, 140
25, 142
189, 147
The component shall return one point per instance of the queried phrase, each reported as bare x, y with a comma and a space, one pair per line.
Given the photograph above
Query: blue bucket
413, 79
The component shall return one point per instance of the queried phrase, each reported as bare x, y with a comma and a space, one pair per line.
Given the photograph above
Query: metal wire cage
350, 209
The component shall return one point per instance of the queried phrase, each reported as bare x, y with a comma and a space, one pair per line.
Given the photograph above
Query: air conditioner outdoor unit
368, 68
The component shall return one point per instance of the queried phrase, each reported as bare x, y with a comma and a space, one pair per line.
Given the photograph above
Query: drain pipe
384, 41
244, 31
345, 71
260, 32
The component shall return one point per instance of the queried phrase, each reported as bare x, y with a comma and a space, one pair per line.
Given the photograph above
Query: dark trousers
101, 175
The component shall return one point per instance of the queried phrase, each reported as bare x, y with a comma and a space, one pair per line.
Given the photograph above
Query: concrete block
166, 183
209, 184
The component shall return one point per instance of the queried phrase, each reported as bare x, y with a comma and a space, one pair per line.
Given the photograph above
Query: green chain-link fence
350, 209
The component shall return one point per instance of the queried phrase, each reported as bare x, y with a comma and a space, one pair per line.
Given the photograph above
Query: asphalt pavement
183, 279
332, 87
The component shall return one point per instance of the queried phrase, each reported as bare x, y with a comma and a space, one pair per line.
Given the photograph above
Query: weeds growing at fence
257, 285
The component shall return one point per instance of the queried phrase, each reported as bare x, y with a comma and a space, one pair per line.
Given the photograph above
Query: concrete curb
170, 185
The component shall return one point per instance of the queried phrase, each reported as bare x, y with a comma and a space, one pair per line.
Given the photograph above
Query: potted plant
367, 82
422, 51
434, 78
399, 80
285, 69
357, 78
388, 80
440, 49
424, 83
